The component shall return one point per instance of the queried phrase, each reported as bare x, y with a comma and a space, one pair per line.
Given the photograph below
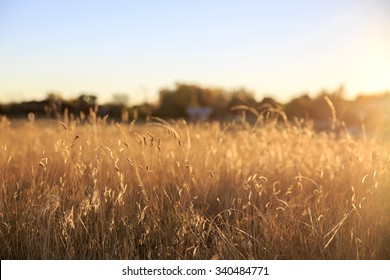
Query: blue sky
278, 48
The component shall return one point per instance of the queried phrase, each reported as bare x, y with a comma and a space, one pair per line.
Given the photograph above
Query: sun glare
374, 73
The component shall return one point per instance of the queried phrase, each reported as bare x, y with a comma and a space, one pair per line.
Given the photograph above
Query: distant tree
84, 103
118, 108
54, 104
88, 100
270, 102
320, 109
270, 109
121, 99
242, 97
142, 111
173, 103
298, 107
54, 96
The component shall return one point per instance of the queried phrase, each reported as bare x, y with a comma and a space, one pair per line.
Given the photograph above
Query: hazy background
278, 48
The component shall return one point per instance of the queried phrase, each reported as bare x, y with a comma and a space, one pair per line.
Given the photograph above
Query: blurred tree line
195, 102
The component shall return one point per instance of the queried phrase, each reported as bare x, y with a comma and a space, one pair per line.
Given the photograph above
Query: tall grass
191, 191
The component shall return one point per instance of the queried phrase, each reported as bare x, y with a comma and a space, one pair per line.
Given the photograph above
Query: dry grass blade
245, 108
334, 230
99, 191
332, 110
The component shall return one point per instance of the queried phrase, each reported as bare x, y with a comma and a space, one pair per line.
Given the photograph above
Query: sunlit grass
191, 191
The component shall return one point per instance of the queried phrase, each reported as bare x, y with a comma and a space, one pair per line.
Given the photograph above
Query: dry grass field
191, 191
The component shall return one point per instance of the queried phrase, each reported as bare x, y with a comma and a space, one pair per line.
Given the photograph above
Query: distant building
199, 113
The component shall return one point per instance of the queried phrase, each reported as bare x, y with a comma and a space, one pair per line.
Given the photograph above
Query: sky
272, 48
